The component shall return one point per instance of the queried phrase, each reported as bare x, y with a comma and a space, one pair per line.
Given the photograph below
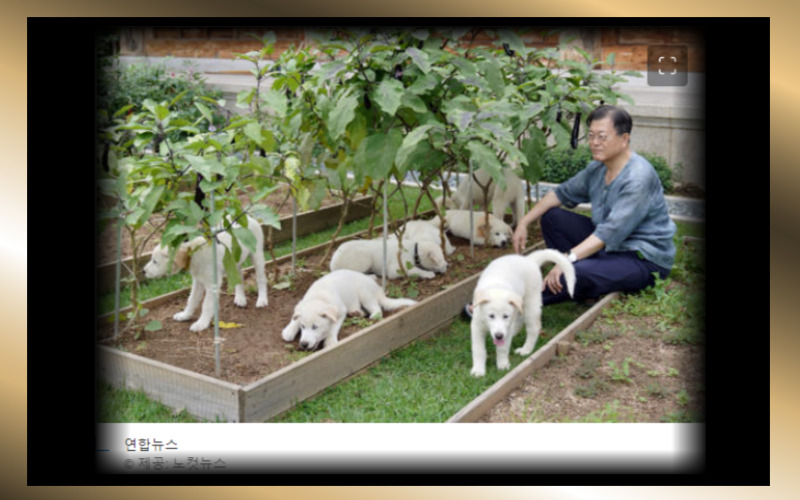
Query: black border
737, 451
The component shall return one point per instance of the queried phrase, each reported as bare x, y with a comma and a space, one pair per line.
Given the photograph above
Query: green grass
122, 405
428, 381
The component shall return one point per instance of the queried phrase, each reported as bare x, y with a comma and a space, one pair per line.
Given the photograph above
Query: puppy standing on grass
197, 256
508, 293
326, 304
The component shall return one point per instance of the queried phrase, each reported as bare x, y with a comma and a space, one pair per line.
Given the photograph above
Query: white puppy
326, 304
196, 256
423, 259
457, 223
500, 199
508, 294
417, 231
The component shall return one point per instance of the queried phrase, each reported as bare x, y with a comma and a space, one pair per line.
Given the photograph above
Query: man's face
604, 142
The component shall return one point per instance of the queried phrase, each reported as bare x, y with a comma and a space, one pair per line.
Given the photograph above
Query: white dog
326, 304
501, 199
423, 259
457, 223
417, 231
196, 256
508, 293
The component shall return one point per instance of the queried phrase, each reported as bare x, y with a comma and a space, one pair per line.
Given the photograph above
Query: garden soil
664, 382
255, 349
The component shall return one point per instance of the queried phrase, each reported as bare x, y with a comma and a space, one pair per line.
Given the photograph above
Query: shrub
120, 86
560, 165
662, 169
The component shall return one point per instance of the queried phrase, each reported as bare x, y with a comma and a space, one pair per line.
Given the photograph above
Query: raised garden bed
261, 369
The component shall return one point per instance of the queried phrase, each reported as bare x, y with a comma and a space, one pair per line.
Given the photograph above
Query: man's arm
548, 201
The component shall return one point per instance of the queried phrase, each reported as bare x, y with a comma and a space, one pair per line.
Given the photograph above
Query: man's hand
519, 238
553, 280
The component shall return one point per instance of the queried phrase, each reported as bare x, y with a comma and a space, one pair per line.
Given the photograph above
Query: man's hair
621, 119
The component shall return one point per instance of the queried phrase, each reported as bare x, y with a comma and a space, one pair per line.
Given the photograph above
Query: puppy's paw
503, 365
262, 302
182, 316
428, 275
240, 300
199, 326
522, 351
288, 334
376, 315
477, 372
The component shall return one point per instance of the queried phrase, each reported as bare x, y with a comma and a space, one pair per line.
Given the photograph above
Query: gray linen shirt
630, 214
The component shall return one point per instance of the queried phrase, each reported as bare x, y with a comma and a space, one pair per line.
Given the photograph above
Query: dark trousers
599, 274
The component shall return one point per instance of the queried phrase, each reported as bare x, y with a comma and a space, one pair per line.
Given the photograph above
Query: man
629, 235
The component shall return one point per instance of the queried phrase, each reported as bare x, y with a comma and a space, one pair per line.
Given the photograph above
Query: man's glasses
601, 137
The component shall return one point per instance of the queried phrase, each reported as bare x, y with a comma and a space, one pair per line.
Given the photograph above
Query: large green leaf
413, 102
420, 59
484, 157
148, 204
422, 158
275, 101
493, 75
376, 154
533, 148
231, 270
265, 215
423, 84
410, 143
388, 95
341, 115
245, 237
205, 166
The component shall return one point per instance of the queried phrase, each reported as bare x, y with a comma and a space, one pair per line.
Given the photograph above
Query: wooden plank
307, 223
283, 389
500, 389
324, 218
200, 395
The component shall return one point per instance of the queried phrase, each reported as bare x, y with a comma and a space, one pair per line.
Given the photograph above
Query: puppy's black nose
498, 336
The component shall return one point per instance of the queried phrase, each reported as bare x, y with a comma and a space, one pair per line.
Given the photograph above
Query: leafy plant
622, 372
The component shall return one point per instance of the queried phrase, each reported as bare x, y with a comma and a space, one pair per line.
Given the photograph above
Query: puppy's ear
480, 298
516, 301
482, 231
330, 313
181, 258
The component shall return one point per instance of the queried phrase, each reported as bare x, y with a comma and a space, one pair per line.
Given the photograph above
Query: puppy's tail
388, 304
559, 259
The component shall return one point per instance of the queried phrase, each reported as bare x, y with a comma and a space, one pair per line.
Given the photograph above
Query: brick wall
628, 44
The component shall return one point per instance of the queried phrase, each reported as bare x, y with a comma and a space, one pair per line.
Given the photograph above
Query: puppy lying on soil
423, 259
508, 293
196, 256
457, 223
420, 230
320, 314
